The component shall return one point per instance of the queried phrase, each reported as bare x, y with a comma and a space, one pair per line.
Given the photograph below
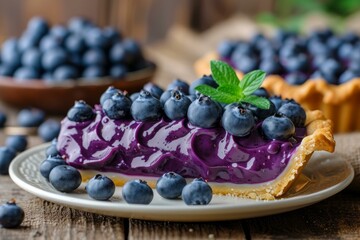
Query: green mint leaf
252, 81
223, 74
229, 89
259, 102
216, 95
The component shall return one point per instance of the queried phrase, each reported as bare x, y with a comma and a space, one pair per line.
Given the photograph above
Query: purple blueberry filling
154, 148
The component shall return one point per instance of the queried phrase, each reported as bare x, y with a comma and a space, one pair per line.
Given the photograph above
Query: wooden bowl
57, 98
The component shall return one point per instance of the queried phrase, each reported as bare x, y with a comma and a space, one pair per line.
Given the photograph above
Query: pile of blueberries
79, 50
322, 54
181, 101
29, 117
65, 178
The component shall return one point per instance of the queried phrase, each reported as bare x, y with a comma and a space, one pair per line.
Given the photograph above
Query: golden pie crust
338, 102
319, 137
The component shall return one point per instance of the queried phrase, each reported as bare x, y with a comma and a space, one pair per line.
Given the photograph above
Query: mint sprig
231, 89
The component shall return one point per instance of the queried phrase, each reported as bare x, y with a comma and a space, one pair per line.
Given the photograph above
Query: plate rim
90, 205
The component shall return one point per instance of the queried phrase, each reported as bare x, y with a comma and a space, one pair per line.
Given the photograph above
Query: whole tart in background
316, 85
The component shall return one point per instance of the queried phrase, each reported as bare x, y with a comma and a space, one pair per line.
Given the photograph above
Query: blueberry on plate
16, 142
60, 31
30, 117
52, 149
154, 89
296, 78
11, 215
295, 112
94, 56
38, 26
112, 34
261, 92
118, 54
6, 70
179, 85
118, 71
75, 43
108, 94
92, 73
3, 119
49, 42
204, 112
96, 39
6, 156
78, 24
100, 188
80, 112
146, 107
198, 192
118, 106
10, 54
65, 72
237, 120
278, 127
205, 79
177, 105
49, 163
170, 185
31, 58
49, 130
65, 178
54, 57
25, 73
26, 41
132, 49
137, 192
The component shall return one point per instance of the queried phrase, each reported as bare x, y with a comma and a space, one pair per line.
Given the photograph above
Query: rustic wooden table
334, 218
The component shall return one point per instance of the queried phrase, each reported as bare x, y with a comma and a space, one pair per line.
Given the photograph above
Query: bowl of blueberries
49, 67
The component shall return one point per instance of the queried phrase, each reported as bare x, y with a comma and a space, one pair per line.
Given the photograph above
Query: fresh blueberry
65, 178
237, 120
52, 149
296, 63
96, 39
3, 119
94, 56
154, 89
11, 215
330, 77
246, 63
226, 48
53, 58
110, 91
261, 113
93, 72
75, 43
331, 66
118, 71
333, 43
118, 106
344, 51
296, 78
261, 92
146, 107
49, 42
78, 24
31, 58
100, 188
278, 127
6, 70
49, 163
80, 112
60, 32
242, 49
137, 192
26, 41
38, 26
277, 101
270, 66
134, 96
204, 112
112, 34
350, 37
65, 72
10, 54
49, 130
16, 142
25, 73
206, 79
6, 156
30, 117
180, 85
165, 96
198, 192
170, 185
132, 49
177, 105
191, 97
348, 75
118, 54
47, 76
295, 112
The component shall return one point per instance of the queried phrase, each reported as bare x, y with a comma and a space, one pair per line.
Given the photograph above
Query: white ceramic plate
324, 176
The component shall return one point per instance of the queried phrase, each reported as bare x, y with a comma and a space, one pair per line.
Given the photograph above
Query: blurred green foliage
290, 14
